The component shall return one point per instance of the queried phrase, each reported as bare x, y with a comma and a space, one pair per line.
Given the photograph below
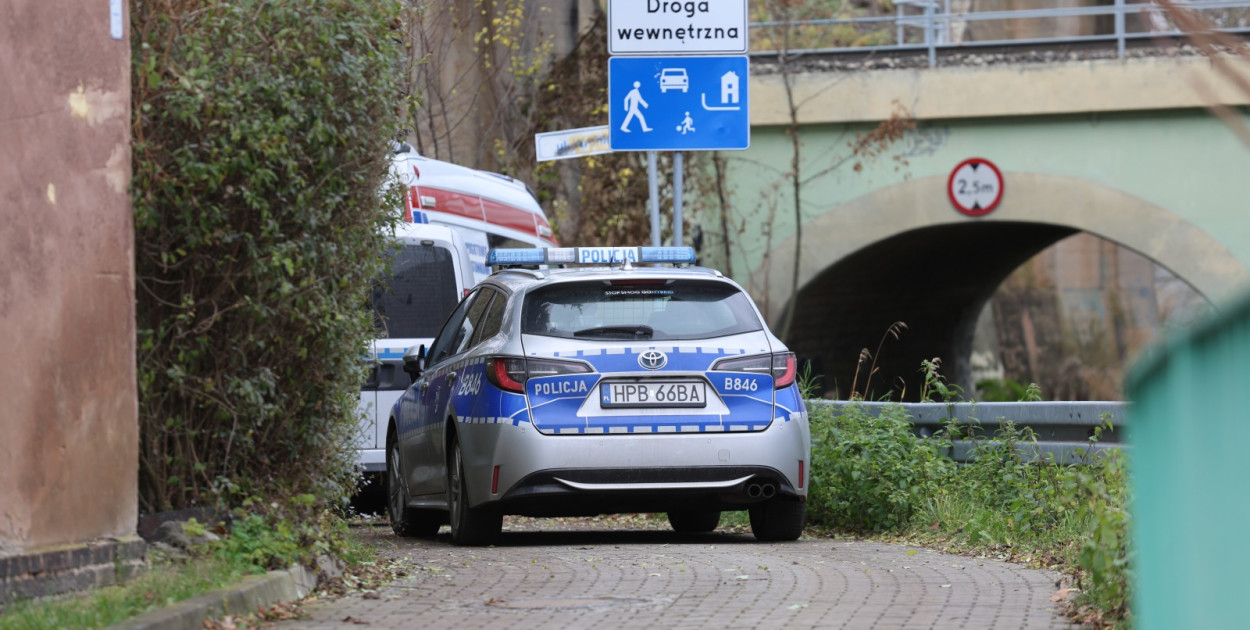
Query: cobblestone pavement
652, 578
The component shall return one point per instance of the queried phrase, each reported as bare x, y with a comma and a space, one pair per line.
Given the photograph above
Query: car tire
778, 520
469, 525
694, 521
405, 521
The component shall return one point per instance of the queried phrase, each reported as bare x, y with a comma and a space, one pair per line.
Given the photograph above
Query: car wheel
405, 521
777, 520
469, 525
694, 521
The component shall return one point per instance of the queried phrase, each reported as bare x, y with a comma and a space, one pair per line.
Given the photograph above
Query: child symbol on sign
687, 124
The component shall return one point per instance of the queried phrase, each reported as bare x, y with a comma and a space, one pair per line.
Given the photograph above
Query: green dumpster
1190, 435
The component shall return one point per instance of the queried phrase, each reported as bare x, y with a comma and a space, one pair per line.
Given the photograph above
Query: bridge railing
930, 25
1063, 429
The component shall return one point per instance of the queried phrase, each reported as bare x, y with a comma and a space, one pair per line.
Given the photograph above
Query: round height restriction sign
975, 187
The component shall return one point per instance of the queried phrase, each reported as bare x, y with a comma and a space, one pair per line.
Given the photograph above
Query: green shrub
259, 157
1018, 494
1102, 498
278, 534
873, 473
999, 390
1077, 512
870, 472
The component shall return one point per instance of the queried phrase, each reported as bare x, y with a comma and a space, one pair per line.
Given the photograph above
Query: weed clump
872, 472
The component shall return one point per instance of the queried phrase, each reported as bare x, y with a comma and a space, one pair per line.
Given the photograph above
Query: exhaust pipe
754, 491
768, 490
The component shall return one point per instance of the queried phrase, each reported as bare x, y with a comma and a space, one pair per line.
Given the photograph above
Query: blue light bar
674, 255
590, 256
528, 256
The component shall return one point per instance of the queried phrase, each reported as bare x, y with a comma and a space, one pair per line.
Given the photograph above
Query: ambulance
487, 209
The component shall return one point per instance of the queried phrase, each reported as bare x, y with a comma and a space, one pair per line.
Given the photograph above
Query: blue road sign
678, 103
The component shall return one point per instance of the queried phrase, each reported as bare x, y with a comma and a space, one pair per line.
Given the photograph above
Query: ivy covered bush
870, 472
260, 150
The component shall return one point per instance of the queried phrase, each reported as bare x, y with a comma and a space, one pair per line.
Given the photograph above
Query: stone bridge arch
902, 253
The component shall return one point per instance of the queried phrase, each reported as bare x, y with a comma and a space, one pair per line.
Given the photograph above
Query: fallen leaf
744, 577
1060, 595
351, 619
796, 607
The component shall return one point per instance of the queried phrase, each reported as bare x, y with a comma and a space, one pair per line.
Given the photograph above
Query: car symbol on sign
674, 79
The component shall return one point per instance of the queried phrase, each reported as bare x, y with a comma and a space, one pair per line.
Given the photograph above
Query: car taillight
506, 373
785, 369
510, 373
781, 366
537, 368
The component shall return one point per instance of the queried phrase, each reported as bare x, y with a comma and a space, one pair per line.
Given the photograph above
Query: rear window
418, 293
680, 309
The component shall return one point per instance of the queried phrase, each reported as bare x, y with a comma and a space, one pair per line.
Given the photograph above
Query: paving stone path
557, 577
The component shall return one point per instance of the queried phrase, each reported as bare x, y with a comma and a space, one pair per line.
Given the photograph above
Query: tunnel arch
902, 253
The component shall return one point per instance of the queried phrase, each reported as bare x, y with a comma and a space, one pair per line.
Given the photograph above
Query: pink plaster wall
68, 428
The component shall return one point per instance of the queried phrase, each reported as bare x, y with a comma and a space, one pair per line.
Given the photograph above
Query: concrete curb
238, 599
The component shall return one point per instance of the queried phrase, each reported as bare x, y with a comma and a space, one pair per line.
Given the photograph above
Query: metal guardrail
937, 24
1063, 429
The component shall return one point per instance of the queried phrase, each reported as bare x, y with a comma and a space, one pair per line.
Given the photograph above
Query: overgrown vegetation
160, 586
259, 148
262, 536
871, 473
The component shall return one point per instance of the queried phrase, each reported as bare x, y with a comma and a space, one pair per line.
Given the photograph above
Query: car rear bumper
527, 472
586, 492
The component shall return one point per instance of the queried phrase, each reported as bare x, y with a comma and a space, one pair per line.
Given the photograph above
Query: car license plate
654, 394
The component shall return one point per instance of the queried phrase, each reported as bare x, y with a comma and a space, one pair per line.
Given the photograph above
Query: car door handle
451, 377
424, 386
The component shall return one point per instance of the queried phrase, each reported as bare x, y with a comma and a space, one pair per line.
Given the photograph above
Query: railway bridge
1121, 147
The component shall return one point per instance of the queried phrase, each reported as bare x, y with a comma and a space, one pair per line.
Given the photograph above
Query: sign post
653, 188
677, 81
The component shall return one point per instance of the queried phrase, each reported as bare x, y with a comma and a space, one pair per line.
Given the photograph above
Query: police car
608, 386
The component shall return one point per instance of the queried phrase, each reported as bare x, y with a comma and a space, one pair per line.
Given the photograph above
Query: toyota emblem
653, 359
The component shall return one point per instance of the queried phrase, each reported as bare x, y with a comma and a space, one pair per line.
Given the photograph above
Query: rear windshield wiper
640, 332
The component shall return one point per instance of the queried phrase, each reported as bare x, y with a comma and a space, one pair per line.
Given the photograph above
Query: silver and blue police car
621, 386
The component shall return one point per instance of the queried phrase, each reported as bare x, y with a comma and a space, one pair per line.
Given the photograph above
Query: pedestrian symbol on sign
632, 101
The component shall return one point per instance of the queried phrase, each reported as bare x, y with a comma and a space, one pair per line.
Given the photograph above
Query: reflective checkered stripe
790, 405
476, 401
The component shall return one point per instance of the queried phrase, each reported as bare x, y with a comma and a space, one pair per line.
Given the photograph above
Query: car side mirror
414, 362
